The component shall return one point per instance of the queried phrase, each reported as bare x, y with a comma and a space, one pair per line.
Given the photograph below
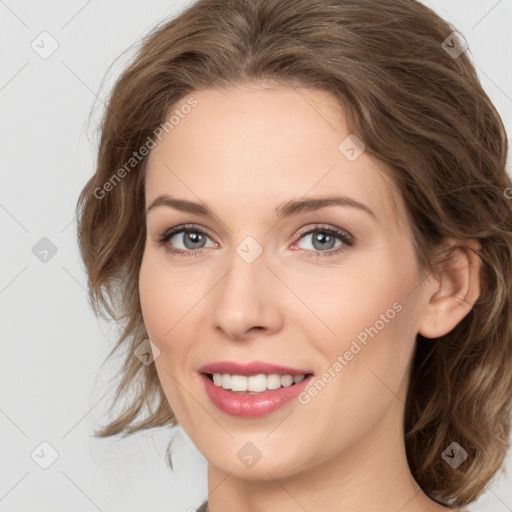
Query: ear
452, 291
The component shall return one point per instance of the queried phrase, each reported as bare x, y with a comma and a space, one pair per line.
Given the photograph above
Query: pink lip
251, 405
252, 368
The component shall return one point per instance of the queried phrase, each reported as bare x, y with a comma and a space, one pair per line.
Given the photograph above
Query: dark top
203, 507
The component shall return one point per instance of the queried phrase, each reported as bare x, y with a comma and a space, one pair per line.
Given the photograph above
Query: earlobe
453, 292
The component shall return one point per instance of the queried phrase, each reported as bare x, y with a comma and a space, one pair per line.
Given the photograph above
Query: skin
244, 151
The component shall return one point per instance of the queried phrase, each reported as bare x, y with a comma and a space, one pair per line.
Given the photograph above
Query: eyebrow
286, 209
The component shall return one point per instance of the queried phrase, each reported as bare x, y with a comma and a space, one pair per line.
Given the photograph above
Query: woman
300, 215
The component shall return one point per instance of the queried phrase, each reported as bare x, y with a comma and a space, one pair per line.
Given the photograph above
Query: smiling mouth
255, 384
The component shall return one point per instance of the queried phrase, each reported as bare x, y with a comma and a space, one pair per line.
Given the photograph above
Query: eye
193, 240
323, 241
190, 236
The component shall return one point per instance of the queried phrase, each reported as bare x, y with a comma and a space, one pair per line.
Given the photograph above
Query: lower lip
252, 406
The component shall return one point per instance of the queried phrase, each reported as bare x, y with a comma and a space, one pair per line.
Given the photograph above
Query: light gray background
52, 345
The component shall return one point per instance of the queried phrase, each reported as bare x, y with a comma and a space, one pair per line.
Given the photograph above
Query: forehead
253, 146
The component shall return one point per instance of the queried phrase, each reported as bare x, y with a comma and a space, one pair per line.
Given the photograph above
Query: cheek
169, 299
153, 300
366, 361
159, 298
371, 318
162, 308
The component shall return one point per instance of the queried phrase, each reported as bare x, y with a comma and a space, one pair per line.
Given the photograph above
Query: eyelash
348, 240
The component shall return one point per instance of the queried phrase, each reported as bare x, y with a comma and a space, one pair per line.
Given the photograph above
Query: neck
370, 475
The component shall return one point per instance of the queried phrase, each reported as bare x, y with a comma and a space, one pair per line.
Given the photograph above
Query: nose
242, 303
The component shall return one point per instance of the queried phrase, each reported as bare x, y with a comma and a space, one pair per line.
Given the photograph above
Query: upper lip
250, 368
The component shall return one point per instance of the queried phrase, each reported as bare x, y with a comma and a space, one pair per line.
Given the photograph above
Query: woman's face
260, 280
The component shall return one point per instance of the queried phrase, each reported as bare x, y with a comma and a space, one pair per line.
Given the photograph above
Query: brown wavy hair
419, 110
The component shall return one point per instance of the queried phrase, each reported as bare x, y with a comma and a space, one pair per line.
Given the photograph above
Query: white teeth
226, 381
238, 383
273, 381
255, 383
286, 380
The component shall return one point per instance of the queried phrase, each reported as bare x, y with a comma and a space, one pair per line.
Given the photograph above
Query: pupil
323, 237
195, 238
